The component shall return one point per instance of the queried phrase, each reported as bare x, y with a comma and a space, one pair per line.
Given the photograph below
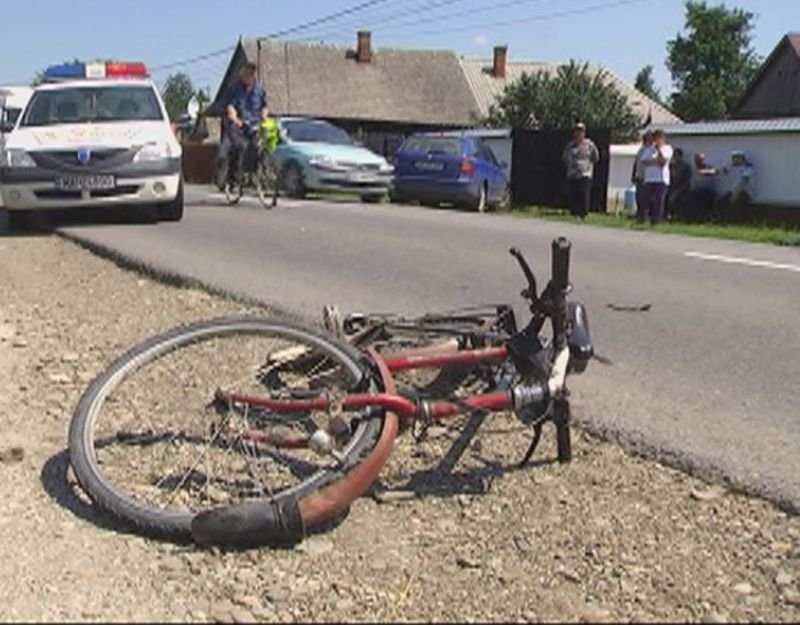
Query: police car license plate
79, 183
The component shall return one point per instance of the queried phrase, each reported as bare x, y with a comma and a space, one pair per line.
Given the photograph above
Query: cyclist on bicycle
246, 107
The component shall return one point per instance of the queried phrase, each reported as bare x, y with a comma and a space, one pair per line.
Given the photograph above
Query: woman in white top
655, 160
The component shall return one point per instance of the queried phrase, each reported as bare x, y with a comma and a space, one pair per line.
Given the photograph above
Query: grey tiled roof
321, 80
487, 88
737, 127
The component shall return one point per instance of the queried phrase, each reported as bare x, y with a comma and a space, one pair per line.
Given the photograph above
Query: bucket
630, 201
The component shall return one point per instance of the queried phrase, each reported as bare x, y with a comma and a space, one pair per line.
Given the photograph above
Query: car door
495, 176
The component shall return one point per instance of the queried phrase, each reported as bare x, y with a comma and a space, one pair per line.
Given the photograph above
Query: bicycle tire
161, 523
233, 193
266, 180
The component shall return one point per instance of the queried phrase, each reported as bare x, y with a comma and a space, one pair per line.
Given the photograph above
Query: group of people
666, 186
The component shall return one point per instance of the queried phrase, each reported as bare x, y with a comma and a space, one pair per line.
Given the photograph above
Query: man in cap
580, 156
735, 204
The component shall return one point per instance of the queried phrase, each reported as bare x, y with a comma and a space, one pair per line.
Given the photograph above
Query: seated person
680, 185
735, 204
701, 199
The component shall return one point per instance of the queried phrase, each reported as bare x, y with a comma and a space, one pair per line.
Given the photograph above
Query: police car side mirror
6, 126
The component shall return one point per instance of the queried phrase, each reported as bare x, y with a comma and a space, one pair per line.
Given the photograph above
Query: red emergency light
126, 69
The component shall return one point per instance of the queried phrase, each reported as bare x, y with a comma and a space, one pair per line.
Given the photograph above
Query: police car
93, 135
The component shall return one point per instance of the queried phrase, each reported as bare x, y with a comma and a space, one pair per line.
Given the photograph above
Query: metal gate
538, 175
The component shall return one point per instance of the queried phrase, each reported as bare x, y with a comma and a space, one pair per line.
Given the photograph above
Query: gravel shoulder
610, 537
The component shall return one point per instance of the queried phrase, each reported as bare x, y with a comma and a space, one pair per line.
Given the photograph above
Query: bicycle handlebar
560, 263
530, 292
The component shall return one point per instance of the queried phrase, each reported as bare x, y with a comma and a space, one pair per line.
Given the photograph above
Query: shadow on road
43, 223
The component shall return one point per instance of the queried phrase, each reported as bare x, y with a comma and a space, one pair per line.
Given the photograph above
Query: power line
321, 20
422, 7
329, 18
522, 20
469, 12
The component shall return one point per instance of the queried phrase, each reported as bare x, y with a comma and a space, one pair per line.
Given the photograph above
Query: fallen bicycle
252, 430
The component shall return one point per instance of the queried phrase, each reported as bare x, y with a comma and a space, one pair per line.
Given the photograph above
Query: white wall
775, 158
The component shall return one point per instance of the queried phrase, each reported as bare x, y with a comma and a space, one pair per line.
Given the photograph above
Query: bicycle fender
262, 521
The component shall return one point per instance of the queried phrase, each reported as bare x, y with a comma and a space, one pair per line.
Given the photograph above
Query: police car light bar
77, 71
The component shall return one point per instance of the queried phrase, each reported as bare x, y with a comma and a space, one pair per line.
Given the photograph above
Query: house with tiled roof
375, 94
385, 93
488, 78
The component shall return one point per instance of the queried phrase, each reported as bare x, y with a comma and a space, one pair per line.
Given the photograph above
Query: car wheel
505, 201
12, 221
479, 203
293, 181
372, 199
172, 211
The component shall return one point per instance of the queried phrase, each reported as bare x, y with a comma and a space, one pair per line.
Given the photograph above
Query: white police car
93, 135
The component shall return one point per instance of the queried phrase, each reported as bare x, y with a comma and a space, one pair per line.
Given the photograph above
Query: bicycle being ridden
245, 154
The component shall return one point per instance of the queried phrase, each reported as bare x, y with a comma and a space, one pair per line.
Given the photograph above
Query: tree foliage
177, 91
712, 63
555, 100
646, 84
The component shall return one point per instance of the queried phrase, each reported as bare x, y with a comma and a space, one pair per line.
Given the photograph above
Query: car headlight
16, 158
153, 152
325, 162
386, 168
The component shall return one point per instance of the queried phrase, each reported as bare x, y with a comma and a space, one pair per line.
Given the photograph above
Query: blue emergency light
65, 71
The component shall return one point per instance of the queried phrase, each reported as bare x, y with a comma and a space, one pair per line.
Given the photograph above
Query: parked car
314, 155
435, 168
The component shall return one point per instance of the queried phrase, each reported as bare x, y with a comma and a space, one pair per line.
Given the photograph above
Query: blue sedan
460, 169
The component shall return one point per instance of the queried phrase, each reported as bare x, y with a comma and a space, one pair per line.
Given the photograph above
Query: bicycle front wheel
267, 183
151, 442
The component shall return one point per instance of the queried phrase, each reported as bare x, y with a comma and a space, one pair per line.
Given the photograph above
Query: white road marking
743, 261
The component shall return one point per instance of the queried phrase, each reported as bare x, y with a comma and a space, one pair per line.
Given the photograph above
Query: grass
754, 233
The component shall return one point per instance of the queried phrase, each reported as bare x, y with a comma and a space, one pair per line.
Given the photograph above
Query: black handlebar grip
560, 264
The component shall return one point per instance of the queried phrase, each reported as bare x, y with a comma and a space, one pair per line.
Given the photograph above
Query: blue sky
624, 37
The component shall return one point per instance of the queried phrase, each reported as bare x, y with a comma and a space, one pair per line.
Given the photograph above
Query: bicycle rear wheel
150, 443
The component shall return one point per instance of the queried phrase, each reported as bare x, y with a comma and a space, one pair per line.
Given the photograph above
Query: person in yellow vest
270, 133
270, 136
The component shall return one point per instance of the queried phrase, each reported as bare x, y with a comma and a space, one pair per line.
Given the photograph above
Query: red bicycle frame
406, 409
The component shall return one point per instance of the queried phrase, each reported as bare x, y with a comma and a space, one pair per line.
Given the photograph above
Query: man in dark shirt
245, 108
680, 185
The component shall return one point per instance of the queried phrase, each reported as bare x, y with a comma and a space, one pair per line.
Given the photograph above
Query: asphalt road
706, 378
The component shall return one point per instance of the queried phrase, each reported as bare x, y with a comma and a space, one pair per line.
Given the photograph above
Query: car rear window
77, 105
433, 145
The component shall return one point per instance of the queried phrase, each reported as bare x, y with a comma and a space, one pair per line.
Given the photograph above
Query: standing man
680, 185
245, 109
656, 160
580, 156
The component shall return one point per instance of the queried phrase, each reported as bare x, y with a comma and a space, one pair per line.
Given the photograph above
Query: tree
546, 100
713, 62
178, 90
645, 83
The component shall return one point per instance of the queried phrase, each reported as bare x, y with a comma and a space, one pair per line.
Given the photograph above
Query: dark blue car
460, 169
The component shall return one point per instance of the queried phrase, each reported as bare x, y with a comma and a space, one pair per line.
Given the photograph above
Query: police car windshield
306, 131
76, 105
